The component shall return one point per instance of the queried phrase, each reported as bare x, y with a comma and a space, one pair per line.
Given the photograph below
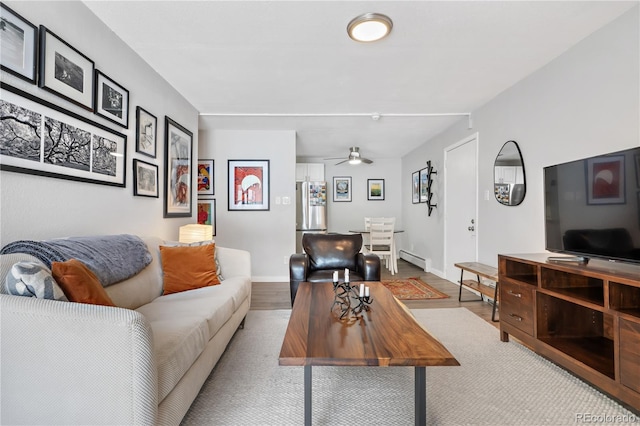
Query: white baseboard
415, 259
268, 279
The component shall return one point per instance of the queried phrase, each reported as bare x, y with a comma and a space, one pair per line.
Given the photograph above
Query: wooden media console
583, 317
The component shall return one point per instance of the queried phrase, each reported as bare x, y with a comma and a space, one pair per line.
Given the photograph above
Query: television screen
592, 206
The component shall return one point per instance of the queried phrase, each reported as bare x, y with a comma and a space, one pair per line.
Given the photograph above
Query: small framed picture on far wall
375, 189
341, 188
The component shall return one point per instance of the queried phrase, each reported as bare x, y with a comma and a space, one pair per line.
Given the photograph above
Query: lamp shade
193, 233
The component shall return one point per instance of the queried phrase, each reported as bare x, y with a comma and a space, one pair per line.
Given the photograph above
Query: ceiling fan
353, 158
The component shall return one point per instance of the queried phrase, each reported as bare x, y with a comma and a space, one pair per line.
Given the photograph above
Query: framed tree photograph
424, 185
207, 213
18, 45
178, 169
65, 71
146, 132
145, 179
248, 185
111, 100
342, 188
375, 189
205, 177
605, 180
40, 138
415, 187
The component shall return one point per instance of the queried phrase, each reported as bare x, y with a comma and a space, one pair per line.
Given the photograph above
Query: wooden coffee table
387, 335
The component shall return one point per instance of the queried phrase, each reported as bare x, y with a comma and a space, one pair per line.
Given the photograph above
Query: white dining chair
382, 242
365, 235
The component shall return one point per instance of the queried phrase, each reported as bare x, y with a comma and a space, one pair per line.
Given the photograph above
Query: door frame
474, 137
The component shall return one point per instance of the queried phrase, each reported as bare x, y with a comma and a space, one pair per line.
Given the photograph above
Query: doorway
461, 205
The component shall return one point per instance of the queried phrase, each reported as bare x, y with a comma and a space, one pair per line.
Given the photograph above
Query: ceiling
290, 64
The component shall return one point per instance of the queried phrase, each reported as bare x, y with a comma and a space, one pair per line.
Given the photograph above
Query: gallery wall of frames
46, 138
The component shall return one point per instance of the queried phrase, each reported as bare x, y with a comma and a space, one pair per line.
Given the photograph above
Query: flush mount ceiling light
369, 27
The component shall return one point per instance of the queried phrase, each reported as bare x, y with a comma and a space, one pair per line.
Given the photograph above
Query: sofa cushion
184, 322
79, 284
33, 279
188, 268
143, 287
178, 340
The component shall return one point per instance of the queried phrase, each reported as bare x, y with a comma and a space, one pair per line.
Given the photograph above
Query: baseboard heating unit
415, 259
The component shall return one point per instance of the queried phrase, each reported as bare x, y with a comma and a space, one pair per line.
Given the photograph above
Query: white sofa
141, 363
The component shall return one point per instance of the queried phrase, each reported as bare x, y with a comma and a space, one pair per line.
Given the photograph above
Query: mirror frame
524, 175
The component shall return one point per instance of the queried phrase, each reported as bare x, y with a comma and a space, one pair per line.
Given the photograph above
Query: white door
461, 200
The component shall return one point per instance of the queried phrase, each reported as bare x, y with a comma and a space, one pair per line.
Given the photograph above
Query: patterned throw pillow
31, 279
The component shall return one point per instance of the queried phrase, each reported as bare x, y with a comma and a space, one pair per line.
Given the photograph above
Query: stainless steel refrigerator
311, 210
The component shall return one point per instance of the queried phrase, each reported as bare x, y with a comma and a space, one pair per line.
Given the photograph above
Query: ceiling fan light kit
353, 158
369, 27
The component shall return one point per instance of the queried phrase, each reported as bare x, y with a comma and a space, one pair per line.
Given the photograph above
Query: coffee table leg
420, 395
307, 395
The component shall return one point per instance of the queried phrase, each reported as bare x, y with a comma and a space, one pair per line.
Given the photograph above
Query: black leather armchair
326, 253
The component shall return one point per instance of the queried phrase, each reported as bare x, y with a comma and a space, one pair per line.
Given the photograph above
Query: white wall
268, 235
585, 102
34, 207
345, 216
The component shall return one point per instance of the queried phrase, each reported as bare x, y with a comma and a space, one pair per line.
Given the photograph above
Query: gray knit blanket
113, 258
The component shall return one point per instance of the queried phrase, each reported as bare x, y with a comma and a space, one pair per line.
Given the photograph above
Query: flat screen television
592, 207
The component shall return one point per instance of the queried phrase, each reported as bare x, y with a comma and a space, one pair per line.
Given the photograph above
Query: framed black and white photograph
40, 138
341, 189
145, 179
375, 189
146, 132
205, 177
415, 187
248, 185
111, 100
424, 185
65, 71
178, 169
18, 45
207, 213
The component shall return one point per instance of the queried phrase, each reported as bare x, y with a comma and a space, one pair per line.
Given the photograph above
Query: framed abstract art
178, 169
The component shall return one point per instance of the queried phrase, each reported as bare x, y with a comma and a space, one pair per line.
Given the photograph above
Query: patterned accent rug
412, 289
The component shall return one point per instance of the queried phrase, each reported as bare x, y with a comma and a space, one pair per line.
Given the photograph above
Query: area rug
412, 289
496, 384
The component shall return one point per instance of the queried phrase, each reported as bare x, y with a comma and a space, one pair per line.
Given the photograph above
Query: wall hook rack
430, 173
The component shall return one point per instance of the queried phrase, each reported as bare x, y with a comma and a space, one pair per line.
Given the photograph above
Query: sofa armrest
298, 269
73, 363
234, 262
369, 265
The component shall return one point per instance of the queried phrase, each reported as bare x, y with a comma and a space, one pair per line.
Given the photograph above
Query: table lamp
194, 232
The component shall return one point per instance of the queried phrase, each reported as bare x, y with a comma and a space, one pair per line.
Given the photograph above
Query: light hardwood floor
274, 295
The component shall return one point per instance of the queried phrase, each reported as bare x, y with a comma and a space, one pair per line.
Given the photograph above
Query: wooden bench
484, 271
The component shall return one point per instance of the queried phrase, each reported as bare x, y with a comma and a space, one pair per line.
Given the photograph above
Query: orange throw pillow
188, 267
79, 283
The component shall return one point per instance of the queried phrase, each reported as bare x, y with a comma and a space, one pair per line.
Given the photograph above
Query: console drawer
516, 306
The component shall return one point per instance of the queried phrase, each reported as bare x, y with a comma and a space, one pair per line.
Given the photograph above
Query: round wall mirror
509, 183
